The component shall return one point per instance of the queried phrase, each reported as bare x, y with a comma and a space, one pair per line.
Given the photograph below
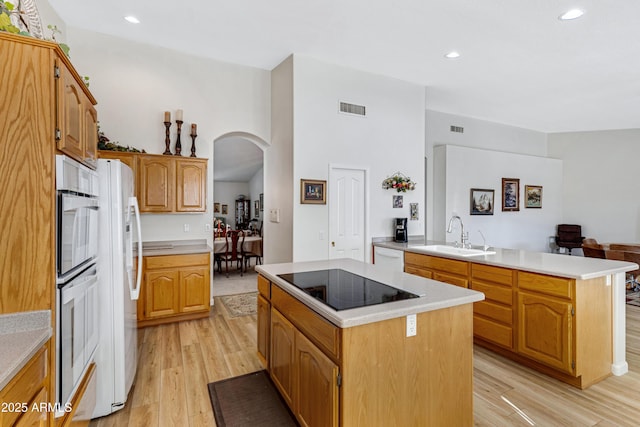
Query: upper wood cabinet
166, 184
191, 181
77, 120
156, 183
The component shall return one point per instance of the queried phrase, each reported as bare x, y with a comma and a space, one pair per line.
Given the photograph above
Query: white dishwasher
391, 259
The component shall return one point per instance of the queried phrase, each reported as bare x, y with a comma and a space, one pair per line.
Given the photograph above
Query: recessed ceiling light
571, 14
452, 55
132, 19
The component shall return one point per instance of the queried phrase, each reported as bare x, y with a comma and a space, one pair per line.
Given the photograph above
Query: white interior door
347, 213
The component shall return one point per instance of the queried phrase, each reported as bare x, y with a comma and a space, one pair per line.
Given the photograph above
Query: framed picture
533, 196
216, 207
261, 202
413, 208
313, 191
481, 202
510, 194
397, 201
225, 209
256, 208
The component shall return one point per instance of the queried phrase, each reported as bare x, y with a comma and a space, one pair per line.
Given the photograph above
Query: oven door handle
78, 287
71, 202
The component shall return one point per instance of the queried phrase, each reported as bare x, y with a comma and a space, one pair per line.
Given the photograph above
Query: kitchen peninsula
561, 315
403, 362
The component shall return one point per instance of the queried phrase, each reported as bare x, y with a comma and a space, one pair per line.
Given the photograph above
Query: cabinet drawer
264, 287
504, 276
324, 334
25, 386
494, 311
437, 263
418, 272
452, 280
493, 332
492, 292
550, 285
172, 261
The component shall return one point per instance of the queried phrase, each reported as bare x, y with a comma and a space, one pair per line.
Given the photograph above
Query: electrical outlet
412, 325
186, 228
207, 227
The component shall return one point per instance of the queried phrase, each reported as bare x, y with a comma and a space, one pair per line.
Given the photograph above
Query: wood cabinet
264, 320
166, 184
493, 318
559, 326
28, 388
331, 376
444, 270
77, 120
243, 213
174, 287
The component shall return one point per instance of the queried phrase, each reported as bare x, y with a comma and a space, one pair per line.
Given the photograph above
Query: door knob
333, 244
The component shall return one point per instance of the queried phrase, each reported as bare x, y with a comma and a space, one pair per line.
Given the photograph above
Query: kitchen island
562, 315
405, 362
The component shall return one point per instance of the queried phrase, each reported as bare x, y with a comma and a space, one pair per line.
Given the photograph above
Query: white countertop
570, 266
21, 336
175, 247
434, 295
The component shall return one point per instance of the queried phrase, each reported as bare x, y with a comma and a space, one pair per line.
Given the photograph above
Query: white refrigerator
119, 286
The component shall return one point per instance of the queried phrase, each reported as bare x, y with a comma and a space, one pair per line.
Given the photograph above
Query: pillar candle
167, 116
193, 128
179, 115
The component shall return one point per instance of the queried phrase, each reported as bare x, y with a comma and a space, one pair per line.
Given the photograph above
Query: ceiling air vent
458, 129
358, 110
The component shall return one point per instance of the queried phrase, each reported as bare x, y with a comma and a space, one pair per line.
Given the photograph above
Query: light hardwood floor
178, 360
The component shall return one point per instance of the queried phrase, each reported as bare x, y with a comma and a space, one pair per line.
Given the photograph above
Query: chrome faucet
464, 237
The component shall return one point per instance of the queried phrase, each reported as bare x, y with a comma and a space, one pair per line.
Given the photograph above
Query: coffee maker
400, 229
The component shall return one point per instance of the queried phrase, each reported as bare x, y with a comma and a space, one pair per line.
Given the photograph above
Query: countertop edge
613, 267
20, 347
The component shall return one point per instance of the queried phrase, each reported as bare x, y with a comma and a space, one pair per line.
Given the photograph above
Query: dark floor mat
249, 400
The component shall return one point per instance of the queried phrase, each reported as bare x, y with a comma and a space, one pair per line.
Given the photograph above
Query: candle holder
178, 144
167, 140
193, 144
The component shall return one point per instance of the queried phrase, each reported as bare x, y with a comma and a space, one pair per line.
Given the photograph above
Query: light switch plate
412, 325
274, 215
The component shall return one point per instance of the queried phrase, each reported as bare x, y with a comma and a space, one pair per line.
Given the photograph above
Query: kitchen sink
452, 250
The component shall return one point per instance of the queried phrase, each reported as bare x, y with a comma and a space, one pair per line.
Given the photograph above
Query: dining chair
591, 249
233, 240
569, 236
251, 254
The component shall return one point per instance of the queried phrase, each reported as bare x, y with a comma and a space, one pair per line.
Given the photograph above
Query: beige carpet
234, 284
241, 304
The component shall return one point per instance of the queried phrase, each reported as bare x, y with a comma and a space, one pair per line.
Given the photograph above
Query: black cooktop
342, 290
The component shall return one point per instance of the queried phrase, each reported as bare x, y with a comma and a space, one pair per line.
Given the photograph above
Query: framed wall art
261, 202
510, 194
256, 209
216, 207
413, 209
397, 201
225, 209
481, 202
533, 196
313, 191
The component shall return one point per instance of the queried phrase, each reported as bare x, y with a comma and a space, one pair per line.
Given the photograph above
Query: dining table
251, 244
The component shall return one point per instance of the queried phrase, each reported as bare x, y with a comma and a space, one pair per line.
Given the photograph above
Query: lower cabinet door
264, 322
194, 289
545, 330
316, 398
161, 293
281, 360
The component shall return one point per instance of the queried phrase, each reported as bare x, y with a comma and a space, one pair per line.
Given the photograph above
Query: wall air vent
358, 110
458, 129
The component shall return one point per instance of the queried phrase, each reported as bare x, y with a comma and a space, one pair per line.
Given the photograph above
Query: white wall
389, 139
135, 83
478, 134
601, 184
464, 168
226, 193
278, 167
